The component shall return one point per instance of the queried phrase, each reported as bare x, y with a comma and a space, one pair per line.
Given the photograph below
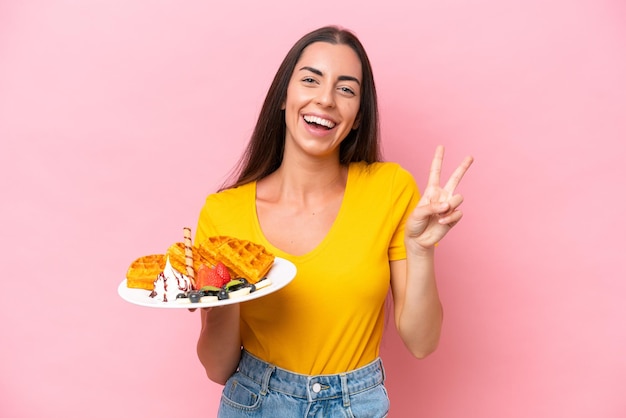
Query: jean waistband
315, 387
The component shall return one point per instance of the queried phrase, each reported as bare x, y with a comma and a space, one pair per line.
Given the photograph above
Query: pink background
117, 118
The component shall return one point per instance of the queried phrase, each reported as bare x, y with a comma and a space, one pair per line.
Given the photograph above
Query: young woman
312, 189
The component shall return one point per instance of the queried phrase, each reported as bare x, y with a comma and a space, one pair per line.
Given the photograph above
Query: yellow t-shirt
330, 318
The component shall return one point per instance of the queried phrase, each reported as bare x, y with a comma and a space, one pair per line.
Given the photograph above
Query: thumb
430, 208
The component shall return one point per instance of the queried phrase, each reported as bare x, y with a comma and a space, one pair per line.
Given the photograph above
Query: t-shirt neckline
328, 237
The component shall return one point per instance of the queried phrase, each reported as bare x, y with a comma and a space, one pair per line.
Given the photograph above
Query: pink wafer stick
189, 254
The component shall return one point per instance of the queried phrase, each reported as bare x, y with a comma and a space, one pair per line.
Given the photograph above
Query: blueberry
194, 296
223, 294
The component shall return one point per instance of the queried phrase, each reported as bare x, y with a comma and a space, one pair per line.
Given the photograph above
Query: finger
427, 210
452, 219
453, 203
203, 309
435, 167
458, 174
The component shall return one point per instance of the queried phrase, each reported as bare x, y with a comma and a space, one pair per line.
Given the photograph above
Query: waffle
244, 258
143, 271
208, 251
176, 253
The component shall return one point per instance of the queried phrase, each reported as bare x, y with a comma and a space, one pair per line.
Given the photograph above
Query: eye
347, 90
308, 80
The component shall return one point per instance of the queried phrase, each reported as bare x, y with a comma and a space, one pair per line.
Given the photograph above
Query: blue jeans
260, 389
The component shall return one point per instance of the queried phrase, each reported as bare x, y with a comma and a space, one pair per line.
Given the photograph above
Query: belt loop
345, 392
382, 369
265, 383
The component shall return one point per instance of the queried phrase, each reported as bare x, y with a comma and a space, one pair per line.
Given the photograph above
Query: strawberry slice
216, 276
214, 279
222, 271
202, 276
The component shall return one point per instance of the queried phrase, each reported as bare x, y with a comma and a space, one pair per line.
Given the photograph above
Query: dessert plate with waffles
219, 271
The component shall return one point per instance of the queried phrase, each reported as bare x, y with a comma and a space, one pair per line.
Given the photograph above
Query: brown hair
264, 153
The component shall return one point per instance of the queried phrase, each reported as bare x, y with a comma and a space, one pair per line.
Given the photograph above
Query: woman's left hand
437, 211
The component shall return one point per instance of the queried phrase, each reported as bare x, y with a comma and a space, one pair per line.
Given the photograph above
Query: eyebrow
341, 77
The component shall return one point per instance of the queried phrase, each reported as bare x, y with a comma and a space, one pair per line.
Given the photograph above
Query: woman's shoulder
384, 172
234, 196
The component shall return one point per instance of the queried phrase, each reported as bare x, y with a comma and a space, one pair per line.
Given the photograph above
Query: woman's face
323, 97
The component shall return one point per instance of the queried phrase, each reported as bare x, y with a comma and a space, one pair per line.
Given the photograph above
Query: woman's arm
219, 344
417, 309
418, 312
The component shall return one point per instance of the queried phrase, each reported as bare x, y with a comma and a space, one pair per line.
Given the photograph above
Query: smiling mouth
316, 120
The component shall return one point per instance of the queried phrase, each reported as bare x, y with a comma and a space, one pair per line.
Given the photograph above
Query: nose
326, 96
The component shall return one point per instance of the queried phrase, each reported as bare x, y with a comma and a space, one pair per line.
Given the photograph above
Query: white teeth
319, 121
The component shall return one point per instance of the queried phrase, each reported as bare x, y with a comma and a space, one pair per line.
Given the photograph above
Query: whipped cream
170, 283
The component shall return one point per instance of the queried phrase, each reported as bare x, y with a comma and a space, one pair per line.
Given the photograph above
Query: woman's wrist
414, 249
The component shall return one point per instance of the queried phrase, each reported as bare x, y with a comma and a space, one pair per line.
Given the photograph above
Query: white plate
281, 273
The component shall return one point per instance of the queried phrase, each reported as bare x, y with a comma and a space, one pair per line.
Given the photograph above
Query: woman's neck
300, 181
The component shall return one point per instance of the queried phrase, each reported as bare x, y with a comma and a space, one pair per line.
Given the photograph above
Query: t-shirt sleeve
404, 197
205, 227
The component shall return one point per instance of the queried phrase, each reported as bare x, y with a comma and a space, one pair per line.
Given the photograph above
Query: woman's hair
264, 152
